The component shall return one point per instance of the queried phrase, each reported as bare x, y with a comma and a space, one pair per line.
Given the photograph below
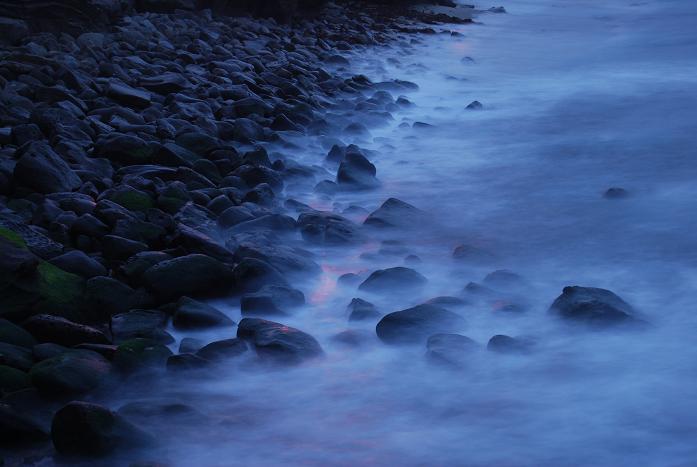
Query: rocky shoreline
149, 166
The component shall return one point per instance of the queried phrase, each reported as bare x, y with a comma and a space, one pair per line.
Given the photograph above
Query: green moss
14, 237
57, 287
133, 200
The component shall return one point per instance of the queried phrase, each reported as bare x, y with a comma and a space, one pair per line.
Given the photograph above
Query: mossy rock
12, 379
13, 237
133, 200
61, 292
136, 354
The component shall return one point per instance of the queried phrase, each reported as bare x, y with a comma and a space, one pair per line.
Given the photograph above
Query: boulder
139, 354
416, 324
512, 345
49, 328
12, 379
71, 373
271, 299
252, 274
278, 343
450, 349
192, 314
15, 356
396, 213
356, 171
128, 96
398, 278
326, 228
592, 306
79, 263
147, 324
18, 428
43, 170
224, 349
10, 333
360, 310
194, 274
86, 429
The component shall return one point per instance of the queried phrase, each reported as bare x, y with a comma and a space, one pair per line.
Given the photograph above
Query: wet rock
119, 248
395, 213
360, 310
185, 361
128, 96
140, 354
89, 226
71, 373
277, 342
12, 379
357, 171
147, 324
326, 228
18, 428
42, 169
398, 278
49, 328
192, 314
187, 275
450, 349
615, 193
503, 278
271, 299
592, 306
415, 324
12, 31
447, 301
353, 337
475, 105
79, 263
107, 297
472, 254
234, 215
136, 265
166, 83
349, 279
47, 350
86, 429
190, 345
511, 345
252, 274
222, 350
10, 333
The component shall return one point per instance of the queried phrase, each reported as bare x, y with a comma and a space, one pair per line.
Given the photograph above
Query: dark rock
512, 345
140, 354
278, 343
141, 262
12, 379
616, 193
119, 248
447, 301
223, 350
48, 328
357, 171
12, 31
503, 278
592, 306
48, 350
395, 213
15, 356
472, 254
271, 299
192, 274
10, 333
190, 345
327, 228
399, 278
360, 310
252, 274
475, 105
353, 337
166, 83
233, 216
85, 429
185, 361
450, 349
107, 297
416, 324
192, 314
147, 324
79, 263
71, 373
18, 428
43, 170
128, 96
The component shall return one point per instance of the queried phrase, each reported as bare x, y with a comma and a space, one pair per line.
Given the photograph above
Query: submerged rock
593, 306
450, 349
396, 213
416, 324
399, 278
85, 429
271, 299
224, 349
192, 314
277, 342
326, 228
360, 310
506, 344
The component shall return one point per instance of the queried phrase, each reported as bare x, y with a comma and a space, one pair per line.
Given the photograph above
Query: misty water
579, 96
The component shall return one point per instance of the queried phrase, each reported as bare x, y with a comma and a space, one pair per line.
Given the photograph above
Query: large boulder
356, 171
147, 324
71, 373
398, 278
42, 169
85, 429
396, 213
77, 262
277, 342
192, 314
189, 275
224, 349
271, 299
416, 324
450, 349
49, 328
593, 306
326, 228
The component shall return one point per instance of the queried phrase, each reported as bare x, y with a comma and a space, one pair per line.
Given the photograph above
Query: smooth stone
416, 324
18, 428
224, 349
360, 310
49, 328
43, 170
396, 213
398, 278
192, 314
79, 263
186, 275
147, 324
10, 333
325, 228
592, 306
511, 345
277, 342
271, 299
450, 349
71, 373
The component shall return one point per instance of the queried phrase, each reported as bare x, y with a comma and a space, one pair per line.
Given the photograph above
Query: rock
325, 228
190, 345
85, 429
503, 278
616, 193
415, 324
356, 171
139, 354
12, 31
17, 428
395, 213
592, 306
124, 149
472, 254
194, 274
353, 337
192, 314
450, 349
398, 278
220, 350
108, 297
271, 299
43, 170
48, 350
12, 379
119, 248
166, 83
77, 262
507, 344
71, 373
360, 310
475, 105
128, 96
15, 356
233, 216
278, 343
10, 333
447, 302
147, 324
185, 361
252, 274
49, 328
